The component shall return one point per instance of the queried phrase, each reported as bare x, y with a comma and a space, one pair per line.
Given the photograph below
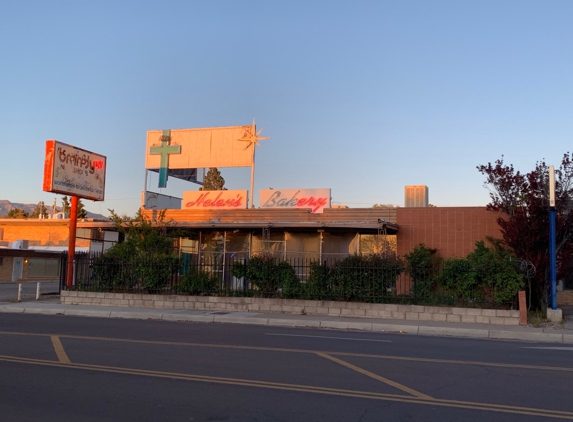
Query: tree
213, 180
523, 201
146, 258
422, 266
384, 206
17, 213
40, 211
82, 213
67, 207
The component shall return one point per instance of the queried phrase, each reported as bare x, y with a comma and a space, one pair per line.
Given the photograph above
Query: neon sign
315, 199
214, 200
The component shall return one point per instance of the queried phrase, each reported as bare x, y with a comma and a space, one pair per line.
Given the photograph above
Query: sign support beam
72, 242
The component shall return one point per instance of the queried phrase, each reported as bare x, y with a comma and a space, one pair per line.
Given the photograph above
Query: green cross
164, 150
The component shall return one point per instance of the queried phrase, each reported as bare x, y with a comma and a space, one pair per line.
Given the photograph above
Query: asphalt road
88, 369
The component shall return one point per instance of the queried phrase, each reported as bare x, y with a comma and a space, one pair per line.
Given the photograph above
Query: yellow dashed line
59, 348
376, 377
302, 388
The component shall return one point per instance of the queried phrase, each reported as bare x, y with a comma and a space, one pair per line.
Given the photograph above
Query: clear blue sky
363, 97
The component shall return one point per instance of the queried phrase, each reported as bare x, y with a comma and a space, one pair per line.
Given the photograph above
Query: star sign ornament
253, 137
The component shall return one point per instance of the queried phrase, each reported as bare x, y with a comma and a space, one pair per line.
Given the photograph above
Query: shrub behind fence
364, 278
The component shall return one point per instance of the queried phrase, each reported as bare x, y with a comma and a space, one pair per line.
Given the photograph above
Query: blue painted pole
552, 260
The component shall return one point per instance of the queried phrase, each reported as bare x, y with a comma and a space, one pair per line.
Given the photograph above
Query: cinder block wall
290, 306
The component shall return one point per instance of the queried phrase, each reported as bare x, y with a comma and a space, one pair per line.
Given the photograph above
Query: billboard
74, 171
315, 199
214, 200
158, 201
200, 148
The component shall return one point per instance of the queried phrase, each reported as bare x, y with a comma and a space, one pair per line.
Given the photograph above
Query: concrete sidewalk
560, 333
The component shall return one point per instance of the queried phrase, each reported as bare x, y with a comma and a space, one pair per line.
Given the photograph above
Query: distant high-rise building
416, 196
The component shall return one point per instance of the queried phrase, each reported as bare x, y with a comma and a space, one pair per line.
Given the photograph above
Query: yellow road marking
59, 348
301, 388
278, 349
376, 377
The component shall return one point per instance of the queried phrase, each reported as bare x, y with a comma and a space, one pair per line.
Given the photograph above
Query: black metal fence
373, 279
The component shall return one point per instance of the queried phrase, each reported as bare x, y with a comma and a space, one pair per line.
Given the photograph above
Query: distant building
31, 249
416, 196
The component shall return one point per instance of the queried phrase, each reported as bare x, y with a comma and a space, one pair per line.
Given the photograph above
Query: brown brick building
44, 242
453, 231
291, 233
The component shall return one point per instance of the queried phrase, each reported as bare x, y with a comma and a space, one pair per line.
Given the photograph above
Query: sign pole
552, 260
251, 205
552, 253
72, 242
254, 144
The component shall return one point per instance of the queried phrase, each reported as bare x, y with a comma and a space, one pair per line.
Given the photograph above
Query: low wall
290, 306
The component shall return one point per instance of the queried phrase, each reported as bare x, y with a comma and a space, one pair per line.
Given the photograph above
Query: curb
309, 323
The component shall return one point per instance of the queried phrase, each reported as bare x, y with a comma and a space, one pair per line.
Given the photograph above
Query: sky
363, 97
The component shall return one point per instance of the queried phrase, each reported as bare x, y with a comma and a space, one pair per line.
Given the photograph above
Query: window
97, 235
378, 244
43, 267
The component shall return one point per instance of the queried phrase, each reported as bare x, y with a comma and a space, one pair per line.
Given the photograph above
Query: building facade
416, 196
216, 237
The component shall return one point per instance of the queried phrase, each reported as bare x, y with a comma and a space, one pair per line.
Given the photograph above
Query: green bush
485, 273
145, 260
363, 276
267, 276
497, 272
422, 265
291, 285
151, 272
198, 282
461, 280
110, 275
317, 283
156, 271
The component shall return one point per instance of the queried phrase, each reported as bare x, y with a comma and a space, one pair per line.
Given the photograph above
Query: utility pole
552, 253
553, 313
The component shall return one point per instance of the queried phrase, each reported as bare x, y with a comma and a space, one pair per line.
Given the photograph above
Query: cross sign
164, 150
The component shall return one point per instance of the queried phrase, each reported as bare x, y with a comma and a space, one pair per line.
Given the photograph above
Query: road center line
293, 350
376, 377
59, 348
333, 338
302, 388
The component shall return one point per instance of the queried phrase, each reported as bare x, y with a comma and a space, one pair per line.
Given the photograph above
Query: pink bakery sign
314, 199
214, 200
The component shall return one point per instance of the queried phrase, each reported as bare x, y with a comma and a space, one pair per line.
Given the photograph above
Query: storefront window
378, 244
43, 267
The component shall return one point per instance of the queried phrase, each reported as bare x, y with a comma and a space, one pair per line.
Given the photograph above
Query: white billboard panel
158, 201
202, 148
315, 199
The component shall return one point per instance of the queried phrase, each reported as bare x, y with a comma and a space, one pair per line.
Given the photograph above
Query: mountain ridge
6, 206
